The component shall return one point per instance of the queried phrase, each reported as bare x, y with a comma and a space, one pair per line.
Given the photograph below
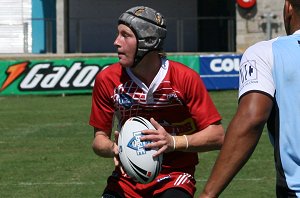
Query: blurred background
89, 26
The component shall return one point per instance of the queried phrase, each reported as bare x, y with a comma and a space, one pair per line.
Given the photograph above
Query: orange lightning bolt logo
13, 72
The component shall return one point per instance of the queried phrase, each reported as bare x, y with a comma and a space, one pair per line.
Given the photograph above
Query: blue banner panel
220, 72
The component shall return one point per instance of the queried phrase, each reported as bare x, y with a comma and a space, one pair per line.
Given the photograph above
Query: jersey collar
157, 79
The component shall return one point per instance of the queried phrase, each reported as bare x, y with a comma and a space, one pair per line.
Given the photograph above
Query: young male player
145, 83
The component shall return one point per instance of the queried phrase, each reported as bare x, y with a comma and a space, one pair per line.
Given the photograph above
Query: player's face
126, 44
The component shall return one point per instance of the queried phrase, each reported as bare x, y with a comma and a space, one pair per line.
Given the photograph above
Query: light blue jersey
273, 67
286, 75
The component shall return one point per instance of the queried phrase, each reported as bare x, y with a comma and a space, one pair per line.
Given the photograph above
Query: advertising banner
50, 76
220, 72
191, 61
76, 75
61, 76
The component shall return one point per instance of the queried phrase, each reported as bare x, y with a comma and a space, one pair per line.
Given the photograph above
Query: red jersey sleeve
200, 104
102, 102
196, 97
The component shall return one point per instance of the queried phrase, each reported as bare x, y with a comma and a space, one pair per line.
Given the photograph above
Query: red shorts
126, 187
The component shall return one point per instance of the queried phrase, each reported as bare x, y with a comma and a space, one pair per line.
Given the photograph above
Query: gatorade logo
13, 72
45, 76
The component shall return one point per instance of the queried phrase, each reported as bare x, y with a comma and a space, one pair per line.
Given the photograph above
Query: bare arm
240, 141
210, 138
103, 145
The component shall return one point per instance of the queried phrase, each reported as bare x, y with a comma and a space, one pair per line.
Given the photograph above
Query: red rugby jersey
177, 99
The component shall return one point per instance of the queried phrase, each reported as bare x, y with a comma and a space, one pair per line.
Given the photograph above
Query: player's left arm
210, 133
210, 138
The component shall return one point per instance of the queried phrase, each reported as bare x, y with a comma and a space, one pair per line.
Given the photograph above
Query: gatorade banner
60, 76
220, 72
52, 76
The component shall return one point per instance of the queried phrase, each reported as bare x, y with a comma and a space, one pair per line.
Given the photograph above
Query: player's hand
159, 138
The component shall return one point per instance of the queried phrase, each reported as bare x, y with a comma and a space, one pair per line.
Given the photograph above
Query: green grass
45, 151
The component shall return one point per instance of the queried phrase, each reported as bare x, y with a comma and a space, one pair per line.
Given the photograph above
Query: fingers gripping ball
137, 161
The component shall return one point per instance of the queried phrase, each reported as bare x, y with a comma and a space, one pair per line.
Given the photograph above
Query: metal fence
94, 35
90, 35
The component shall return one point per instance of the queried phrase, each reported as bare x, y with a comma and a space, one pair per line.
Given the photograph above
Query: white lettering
60, 77
52, 79
65, 81
86, 75
226, 65
215, 65
32, 78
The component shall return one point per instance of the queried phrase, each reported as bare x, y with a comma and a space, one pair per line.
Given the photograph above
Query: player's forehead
125, 29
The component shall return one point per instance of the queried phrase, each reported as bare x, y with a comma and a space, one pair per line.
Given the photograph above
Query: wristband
174, 143
187, 142
180, 142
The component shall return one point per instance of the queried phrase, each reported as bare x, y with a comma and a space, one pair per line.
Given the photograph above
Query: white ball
136, 160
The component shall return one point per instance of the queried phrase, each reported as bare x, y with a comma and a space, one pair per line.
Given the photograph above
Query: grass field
45, 151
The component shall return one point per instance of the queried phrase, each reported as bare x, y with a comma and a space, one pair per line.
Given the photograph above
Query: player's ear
288, 9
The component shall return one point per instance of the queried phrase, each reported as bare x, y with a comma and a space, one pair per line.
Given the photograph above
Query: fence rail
95, 35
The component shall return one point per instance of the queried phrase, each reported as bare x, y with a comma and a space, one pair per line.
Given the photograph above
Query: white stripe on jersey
183, 178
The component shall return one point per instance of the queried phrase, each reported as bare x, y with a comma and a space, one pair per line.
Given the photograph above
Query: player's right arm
256, 93
102, 114
241, 138
103, 145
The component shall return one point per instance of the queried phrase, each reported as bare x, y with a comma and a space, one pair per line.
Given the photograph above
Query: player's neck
147, 69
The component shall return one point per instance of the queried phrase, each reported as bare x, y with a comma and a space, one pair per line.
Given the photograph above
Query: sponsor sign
220, 71
191, 61
66, 76
77, 75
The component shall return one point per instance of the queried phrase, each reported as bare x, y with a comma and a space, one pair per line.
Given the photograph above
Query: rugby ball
137, 161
